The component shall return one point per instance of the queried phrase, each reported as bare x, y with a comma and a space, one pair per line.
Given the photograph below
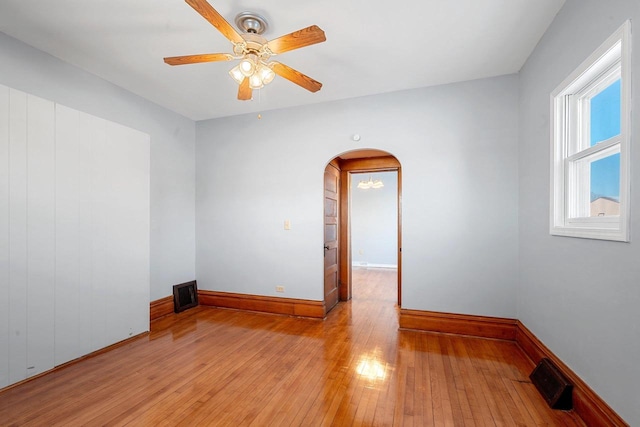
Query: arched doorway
338, 176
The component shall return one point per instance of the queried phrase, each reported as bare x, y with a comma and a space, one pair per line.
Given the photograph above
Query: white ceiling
372, 46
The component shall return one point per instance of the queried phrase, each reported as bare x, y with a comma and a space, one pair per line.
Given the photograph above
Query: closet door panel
129, 231
139, 210
67, 226
4, 236
17, 236
100, 199
113, 288
40, 234
87, 126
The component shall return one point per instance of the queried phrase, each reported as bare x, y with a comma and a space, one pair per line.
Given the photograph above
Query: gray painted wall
172, 149
458, 148
374, 220
580, 297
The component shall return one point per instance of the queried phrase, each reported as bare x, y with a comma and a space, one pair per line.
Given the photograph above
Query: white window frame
570, 138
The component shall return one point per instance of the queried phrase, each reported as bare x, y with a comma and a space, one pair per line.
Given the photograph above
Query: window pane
605, 113
605, 186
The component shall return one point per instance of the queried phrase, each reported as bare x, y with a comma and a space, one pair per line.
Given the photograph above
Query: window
590, 145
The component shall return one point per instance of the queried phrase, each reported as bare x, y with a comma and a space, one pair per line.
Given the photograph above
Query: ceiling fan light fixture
248, 64
236, 74
260, 75
255, 82
266, 73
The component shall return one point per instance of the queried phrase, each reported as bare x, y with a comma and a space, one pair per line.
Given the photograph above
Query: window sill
583, 232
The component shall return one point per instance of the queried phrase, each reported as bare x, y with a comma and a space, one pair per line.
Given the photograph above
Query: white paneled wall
74, 234
4, 236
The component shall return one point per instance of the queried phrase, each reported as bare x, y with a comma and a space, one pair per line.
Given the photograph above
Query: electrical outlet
287, 224
279, 288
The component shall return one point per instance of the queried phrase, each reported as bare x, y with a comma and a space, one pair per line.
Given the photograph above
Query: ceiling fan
254, 69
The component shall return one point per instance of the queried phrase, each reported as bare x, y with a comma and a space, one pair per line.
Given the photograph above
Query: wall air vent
185, 295
553, 386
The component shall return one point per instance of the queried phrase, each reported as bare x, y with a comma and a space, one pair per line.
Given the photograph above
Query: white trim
570, 158
369, 265
598, 148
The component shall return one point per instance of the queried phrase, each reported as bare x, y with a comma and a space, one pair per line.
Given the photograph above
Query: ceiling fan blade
210, 14
295, 76
194, 59
244, 91
297, 39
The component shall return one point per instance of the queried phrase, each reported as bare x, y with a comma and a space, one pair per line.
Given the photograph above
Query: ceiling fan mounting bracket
251, 22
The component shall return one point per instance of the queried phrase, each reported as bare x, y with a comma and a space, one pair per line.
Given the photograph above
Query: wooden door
331, 249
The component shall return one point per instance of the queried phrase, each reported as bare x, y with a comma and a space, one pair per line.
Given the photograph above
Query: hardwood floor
210, 366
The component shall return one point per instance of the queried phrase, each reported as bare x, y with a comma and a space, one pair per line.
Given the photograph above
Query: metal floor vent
185, 295
553, 386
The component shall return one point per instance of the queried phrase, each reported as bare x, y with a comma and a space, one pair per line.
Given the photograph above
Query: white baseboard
372, 265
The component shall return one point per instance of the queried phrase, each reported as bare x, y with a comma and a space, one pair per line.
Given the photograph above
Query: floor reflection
371, 368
